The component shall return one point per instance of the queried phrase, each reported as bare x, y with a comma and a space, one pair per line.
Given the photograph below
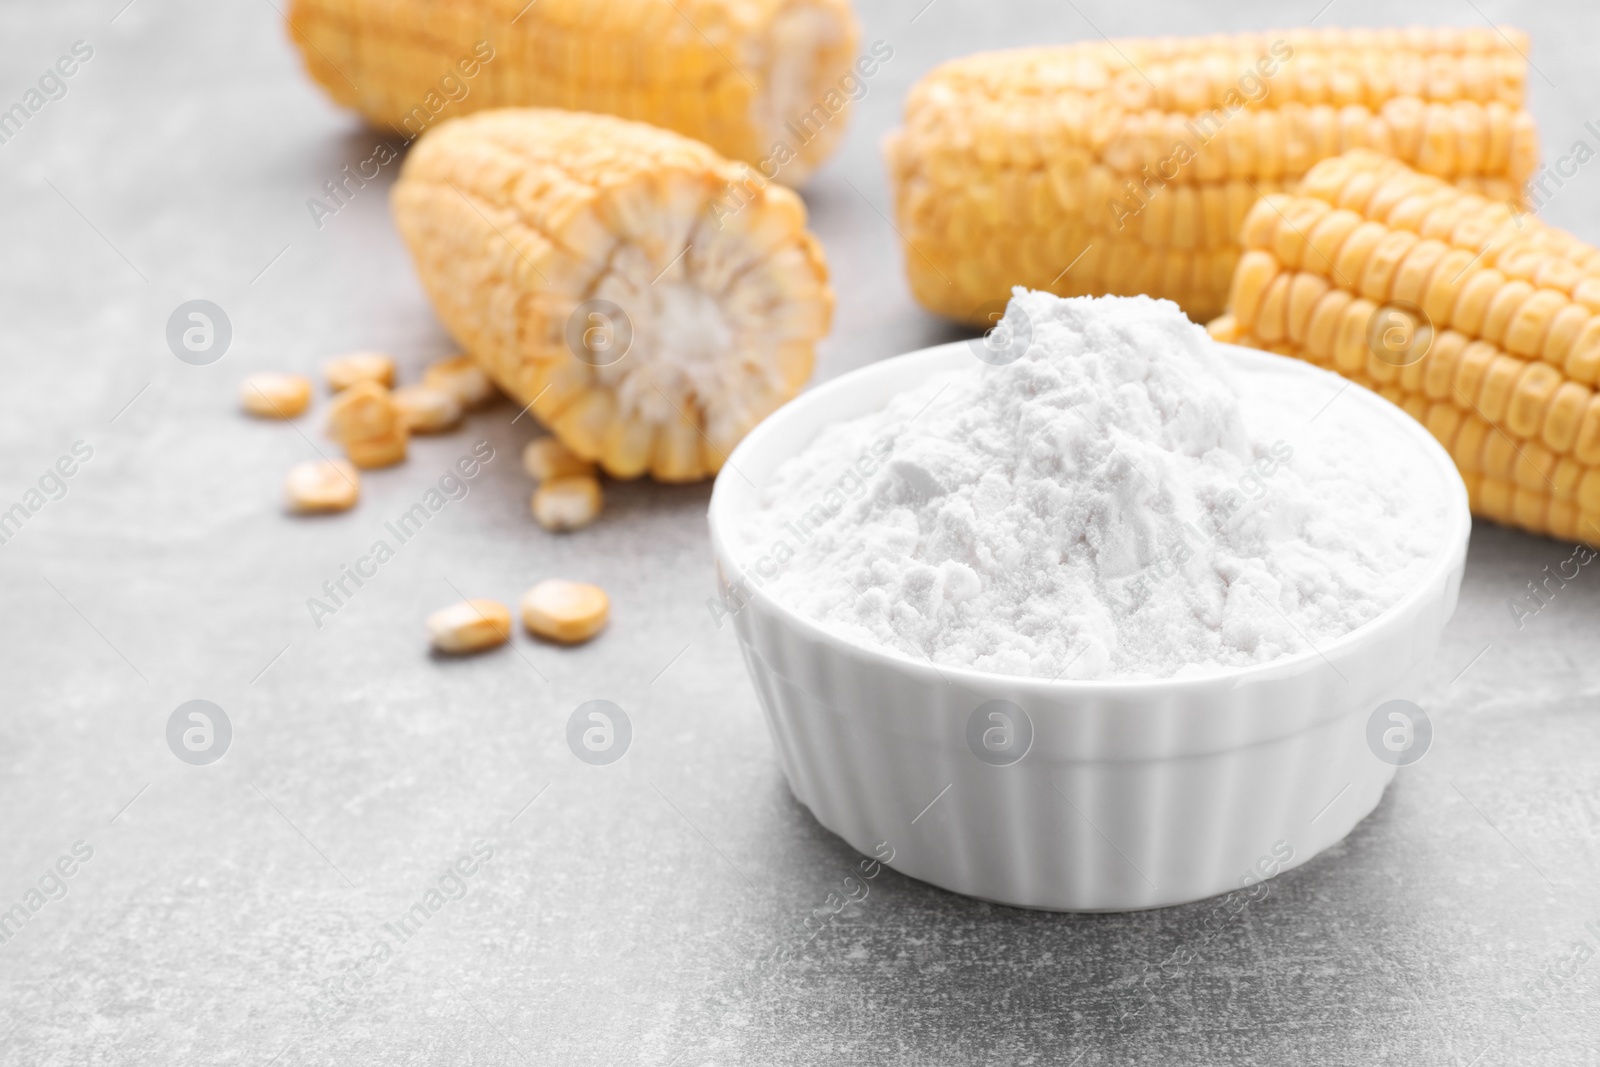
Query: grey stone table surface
228, 914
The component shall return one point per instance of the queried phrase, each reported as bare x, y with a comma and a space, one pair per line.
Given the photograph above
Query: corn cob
1142, 157
740, 75
590, 265
1478, 320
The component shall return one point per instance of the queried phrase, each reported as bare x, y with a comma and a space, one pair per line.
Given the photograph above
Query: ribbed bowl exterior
1132, 794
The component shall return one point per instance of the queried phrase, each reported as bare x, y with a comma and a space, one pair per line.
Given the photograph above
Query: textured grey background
624, 916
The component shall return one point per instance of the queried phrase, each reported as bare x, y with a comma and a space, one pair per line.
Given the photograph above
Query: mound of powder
1110, 500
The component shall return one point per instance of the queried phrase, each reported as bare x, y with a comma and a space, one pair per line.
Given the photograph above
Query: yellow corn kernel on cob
741, 75
1479, 320
1127, 167
595, 267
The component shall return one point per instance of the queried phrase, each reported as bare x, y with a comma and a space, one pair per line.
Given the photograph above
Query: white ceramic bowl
1133, 794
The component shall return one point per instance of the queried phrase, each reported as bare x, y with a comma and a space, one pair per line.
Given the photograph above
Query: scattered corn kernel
344, 371
275, 396
372, 452
470, 626
427, 409
322, 485
363, 411
568, 612
463, 378
546, 458
567, 503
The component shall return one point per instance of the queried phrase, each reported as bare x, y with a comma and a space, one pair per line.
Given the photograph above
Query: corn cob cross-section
591, 265
1126, 167
1477, 319
740, 75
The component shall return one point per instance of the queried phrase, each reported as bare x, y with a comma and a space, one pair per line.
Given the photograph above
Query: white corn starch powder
1114, 502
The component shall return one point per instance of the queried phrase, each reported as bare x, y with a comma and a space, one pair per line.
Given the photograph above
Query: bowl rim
1450, 554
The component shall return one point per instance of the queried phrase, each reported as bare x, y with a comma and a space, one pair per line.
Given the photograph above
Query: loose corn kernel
373, 452
363, 411
463, 378
567, 503
275, 396
546, 458
322, 485
344, 371
426, 409
470, 626
568, 612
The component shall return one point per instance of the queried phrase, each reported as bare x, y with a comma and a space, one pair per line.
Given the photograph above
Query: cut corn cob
741, 75
585, 261
1126, 167
1478, 320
